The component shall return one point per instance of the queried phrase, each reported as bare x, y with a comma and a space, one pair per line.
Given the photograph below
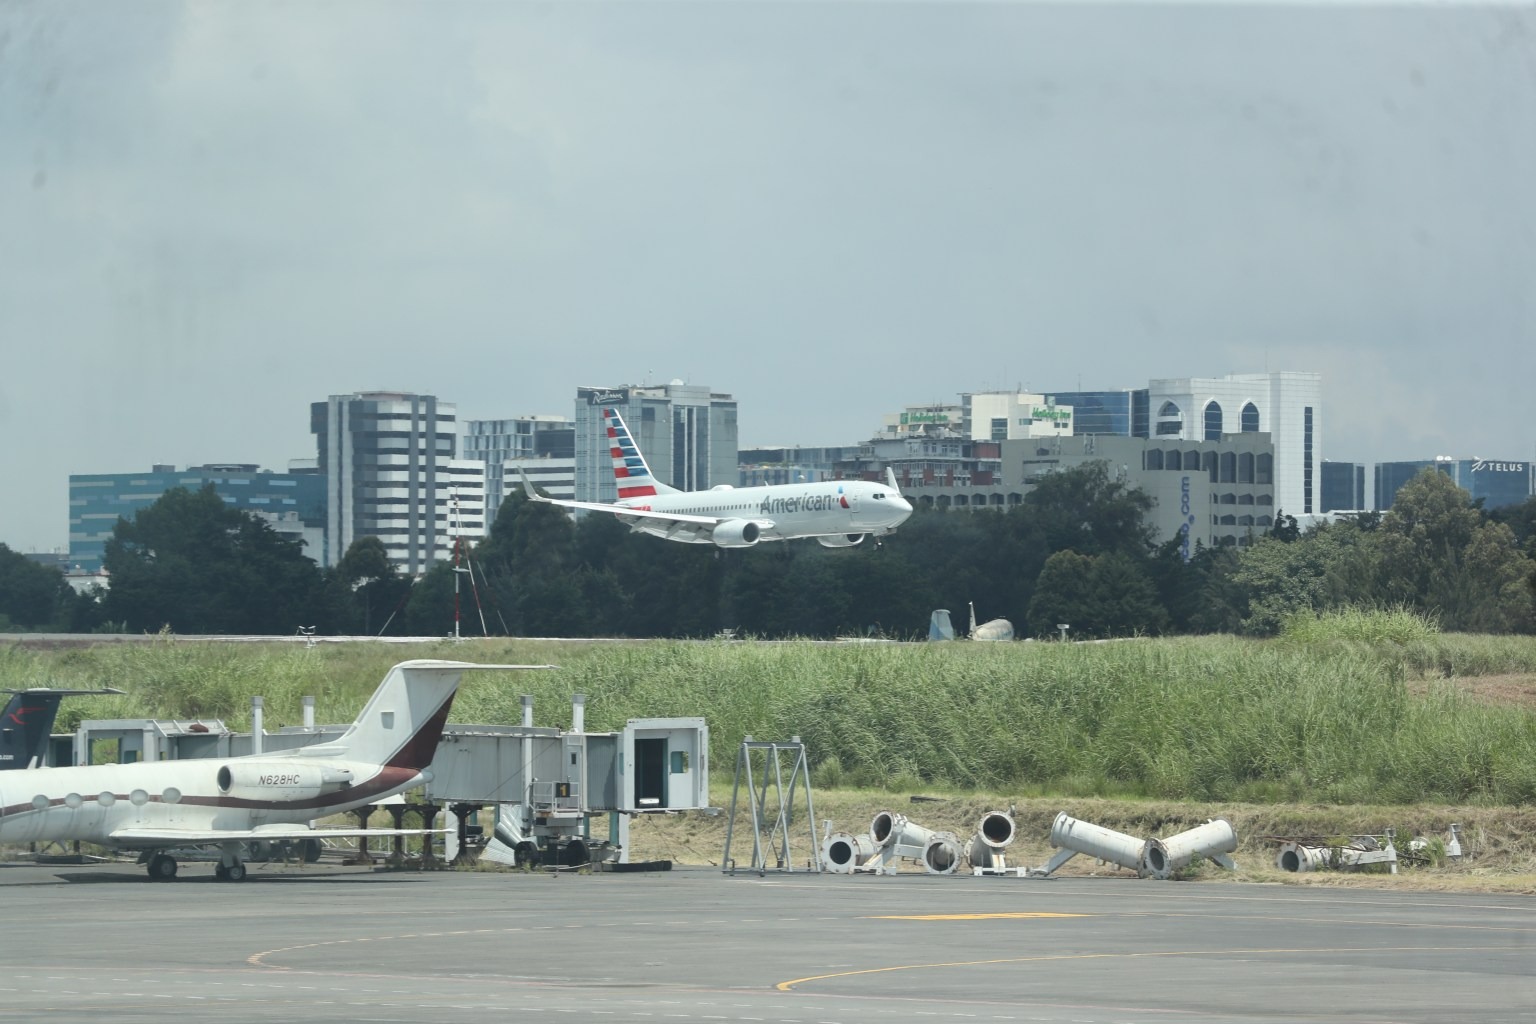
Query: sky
215, 213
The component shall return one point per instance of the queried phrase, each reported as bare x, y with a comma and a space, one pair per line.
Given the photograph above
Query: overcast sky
213, 214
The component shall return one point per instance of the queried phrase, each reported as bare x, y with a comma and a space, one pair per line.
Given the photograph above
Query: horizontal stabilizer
51, 691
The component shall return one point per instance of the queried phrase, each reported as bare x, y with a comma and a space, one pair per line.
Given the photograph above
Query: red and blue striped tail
630, 472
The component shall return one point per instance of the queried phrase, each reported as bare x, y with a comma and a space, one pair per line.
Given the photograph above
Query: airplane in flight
838, 513
155, 807
27, 721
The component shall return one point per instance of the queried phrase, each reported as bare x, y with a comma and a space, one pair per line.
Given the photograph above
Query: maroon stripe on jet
386, 780
420, 749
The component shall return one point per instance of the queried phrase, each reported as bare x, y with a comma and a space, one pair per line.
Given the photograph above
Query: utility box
665, 765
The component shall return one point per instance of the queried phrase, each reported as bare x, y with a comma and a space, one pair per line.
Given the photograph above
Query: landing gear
162, 867
231, 868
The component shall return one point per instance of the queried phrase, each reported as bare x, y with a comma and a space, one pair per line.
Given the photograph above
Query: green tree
1062, 594
190, 562
1331, 566
370, 587
1440, 556
30, 594
1084, 509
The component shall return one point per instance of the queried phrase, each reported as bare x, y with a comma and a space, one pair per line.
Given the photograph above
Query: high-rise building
1496, 483
293, 504
1286, 405
390, 472
519, 439
686, 432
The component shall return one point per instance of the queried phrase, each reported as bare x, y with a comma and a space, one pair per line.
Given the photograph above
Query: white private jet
838, 513
158, 806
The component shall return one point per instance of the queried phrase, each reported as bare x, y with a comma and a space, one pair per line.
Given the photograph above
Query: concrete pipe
942, 854
841, 852
1298, 858
992, 837
1095, 841
1214, 839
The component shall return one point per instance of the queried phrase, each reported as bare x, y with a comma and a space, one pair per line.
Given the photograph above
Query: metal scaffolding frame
778, 826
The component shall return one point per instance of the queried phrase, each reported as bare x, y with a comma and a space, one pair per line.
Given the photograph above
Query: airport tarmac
329, 944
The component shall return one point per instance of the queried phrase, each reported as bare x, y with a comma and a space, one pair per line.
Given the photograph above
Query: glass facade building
1122, 412
98, 500
1343, 487
1496, 483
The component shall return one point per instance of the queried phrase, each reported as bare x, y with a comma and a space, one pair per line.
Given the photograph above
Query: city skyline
832, 211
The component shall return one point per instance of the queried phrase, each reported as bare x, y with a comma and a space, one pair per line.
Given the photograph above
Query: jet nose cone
903, 506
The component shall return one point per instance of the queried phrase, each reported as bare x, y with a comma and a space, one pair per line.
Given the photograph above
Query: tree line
1078, 550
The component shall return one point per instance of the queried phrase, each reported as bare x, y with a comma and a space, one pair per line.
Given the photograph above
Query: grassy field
1344, 725
1353, 712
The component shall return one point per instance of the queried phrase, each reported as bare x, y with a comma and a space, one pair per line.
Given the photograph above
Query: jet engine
846, 540
280, 780
735, 533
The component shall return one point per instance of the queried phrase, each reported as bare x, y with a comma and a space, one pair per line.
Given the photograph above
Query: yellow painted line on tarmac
789, 986
967, 917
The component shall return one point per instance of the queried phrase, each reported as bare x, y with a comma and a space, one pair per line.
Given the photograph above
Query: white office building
498, 443
1014, 416
391, 473
1285, 405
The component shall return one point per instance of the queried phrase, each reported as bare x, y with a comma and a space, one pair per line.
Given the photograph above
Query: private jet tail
402, 722
630, 472
27, 721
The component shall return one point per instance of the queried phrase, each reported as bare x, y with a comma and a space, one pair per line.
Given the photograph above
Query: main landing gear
233, 873
162, 866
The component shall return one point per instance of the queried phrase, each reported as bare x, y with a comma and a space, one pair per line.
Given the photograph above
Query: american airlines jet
838, 513
158, 806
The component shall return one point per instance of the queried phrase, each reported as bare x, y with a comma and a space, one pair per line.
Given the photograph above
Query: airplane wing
269, 833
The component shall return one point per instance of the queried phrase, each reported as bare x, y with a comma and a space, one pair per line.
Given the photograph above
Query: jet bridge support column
466, 854
429, 860
363, 856
396, 858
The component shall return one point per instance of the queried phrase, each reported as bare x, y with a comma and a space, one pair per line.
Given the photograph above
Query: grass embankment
1363, 713
1500, 841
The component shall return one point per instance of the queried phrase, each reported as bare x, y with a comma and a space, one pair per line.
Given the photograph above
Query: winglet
533, 495
890, 478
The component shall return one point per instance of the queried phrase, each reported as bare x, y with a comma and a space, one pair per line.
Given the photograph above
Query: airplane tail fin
630, 471
402, 722
27, 721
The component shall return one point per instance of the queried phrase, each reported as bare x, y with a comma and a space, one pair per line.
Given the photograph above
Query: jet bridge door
663, 764
651, 773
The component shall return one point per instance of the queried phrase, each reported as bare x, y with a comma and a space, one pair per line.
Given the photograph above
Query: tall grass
1320, 716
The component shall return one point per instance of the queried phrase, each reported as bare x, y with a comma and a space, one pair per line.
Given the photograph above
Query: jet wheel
221, 872
162, 867
234, 873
